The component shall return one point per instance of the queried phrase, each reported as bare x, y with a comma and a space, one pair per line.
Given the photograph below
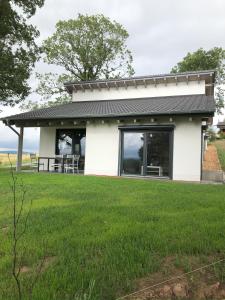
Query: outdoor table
48, 158
155, 169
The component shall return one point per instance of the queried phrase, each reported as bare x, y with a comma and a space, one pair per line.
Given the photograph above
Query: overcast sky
161, 33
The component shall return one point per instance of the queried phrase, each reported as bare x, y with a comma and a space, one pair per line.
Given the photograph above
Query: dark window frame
146, 129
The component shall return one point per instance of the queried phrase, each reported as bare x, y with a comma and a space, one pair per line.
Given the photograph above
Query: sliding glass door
133, 143
157, 154
146, 153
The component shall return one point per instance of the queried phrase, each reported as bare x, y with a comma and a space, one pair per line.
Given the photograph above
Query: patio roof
124, 108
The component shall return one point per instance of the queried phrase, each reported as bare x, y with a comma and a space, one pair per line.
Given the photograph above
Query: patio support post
19, 150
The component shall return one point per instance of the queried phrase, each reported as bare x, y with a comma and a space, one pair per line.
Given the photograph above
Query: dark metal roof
170, 105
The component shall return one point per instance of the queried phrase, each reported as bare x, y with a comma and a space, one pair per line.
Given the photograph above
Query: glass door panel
71, 141
64, 142
133, 144
157, 154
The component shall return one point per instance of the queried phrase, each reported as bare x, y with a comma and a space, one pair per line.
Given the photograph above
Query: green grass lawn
110, 230
220, 146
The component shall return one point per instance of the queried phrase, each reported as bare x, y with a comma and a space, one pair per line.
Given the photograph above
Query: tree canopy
18, 50
87, 48
213, 59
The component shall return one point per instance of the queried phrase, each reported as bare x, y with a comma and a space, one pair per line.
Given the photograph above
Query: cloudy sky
161, 33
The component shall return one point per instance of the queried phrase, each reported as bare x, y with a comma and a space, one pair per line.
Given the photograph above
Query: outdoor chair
74, 165
57, 165
34, 161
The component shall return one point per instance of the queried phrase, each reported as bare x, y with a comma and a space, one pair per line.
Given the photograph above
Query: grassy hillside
110, 230
220, 146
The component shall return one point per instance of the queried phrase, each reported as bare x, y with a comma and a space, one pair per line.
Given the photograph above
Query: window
157, 153
70, 141
133, 153
146, 153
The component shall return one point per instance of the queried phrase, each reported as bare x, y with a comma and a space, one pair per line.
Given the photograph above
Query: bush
222, 135
211, 134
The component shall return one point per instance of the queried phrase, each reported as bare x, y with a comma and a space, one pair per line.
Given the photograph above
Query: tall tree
213, 59
18, 50
87, 48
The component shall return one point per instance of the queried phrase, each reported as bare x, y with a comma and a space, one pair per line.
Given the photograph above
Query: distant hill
8, 151
13, 152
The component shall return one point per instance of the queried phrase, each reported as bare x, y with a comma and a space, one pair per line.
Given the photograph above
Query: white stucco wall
182, 88
102, 149
47, 143
187, 150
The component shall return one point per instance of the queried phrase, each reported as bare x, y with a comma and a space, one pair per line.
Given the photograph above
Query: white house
141, 126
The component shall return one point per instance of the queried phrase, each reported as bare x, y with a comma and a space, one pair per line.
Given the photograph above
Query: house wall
187, 150
47, 143
171, 89
102, 147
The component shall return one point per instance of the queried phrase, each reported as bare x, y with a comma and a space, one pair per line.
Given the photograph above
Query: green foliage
214, 59
202, 60
220, 146
211, 134
18, 51
50, 85
110, 230
87, 48
222, 135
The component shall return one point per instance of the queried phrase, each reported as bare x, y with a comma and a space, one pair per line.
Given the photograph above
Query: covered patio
69, 155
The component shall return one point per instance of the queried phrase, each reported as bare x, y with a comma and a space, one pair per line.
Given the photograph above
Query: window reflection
133, 153
157, 153
70, 141
64, 143
82, 145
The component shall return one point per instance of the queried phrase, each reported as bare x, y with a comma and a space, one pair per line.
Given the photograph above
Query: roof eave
208, 75
101, 117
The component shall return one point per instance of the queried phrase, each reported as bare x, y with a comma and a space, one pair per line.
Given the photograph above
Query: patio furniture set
68, 163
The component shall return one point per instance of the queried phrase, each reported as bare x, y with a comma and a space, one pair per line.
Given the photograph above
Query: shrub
222, 135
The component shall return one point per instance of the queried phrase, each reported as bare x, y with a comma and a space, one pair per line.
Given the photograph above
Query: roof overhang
123, 109
208, 76
82, 121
